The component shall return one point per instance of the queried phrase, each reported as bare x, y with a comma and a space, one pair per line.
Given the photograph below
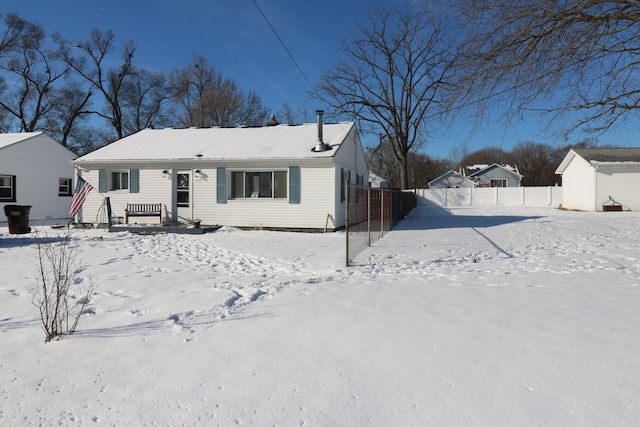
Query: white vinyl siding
617, 182
302, 193
578, 181
155, 187
316, 203
38, 162
496, 176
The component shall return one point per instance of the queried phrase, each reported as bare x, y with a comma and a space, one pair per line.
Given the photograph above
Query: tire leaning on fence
371, 213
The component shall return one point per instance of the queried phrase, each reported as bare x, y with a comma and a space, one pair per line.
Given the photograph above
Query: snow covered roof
479, 169
7, 139
270, 142
609, 154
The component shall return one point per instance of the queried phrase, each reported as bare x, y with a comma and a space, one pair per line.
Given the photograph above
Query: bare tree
205, 98
535, 162
576, 59
382, 162
291, 115
144, 96
421, 168
34, 74
393, 77
15, 30
88, 60
59, 295
486, 155
71, 113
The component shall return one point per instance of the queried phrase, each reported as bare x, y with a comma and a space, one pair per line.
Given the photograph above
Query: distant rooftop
609, 154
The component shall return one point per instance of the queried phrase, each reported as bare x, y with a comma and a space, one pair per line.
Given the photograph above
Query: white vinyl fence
491, 196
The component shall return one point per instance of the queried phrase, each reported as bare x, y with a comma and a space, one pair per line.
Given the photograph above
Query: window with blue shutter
221, 185
294, 184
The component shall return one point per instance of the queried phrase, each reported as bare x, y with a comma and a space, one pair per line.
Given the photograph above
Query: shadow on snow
436, 217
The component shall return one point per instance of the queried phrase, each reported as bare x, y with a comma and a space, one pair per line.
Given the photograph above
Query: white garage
597, 179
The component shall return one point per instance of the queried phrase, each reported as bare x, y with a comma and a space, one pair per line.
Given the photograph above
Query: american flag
79, 195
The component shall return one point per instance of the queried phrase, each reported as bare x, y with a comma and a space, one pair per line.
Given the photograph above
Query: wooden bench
143, 209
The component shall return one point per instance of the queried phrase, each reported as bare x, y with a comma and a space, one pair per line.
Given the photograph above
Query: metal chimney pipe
320, 145
320, 114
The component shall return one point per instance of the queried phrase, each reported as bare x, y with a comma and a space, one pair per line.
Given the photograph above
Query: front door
182, 196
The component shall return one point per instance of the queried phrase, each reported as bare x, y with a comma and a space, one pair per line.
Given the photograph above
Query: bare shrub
60, 295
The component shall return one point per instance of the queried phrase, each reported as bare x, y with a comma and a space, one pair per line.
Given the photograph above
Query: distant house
279, 176
597, 177
451, 179
36, 171
494, 175
377, 182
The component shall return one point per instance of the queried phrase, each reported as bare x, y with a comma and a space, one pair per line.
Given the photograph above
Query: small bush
59, 295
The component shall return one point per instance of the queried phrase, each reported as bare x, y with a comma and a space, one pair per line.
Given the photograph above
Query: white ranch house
36, 171
595, 178
274, 177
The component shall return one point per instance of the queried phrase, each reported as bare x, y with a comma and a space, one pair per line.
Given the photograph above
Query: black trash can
18, 218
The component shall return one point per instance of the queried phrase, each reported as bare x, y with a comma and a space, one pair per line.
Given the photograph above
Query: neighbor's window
119, 180
259, 184
7, 188
498, 182
64, 187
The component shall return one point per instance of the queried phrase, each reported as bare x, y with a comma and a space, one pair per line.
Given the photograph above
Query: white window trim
69, 185
110, 180
12, 187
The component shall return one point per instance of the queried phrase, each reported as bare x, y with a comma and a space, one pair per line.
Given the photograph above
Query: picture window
259, 185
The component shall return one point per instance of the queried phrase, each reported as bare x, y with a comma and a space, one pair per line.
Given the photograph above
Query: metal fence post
346, 219
382, 213
369, 216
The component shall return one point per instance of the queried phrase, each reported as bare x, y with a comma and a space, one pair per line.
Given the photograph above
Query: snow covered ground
458, 317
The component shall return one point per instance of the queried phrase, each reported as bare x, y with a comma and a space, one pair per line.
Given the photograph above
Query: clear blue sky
236, 39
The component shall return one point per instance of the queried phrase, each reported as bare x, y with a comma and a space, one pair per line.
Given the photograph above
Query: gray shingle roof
609, 154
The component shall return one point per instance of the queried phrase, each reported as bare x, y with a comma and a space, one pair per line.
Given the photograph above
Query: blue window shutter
294, 184
221, 185
102, 181
134, 180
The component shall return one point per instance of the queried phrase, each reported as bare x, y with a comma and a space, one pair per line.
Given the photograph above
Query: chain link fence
371, 213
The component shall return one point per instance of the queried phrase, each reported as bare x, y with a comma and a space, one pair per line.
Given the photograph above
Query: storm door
182, 197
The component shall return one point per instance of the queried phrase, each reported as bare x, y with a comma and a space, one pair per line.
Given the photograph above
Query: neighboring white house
280, 176
36, 171
376, 181
494, 175
594, 177
451, 179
